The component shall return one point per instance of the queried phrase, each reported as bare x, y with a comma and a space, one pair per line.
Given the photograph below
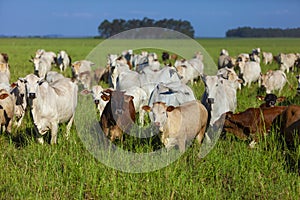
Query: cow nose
96, 101
157, 124
36, 72
31, 95
119, 112
211, 100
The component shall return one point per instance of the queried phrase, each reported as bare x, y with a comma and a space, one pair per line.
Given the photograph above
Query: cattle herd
140, 84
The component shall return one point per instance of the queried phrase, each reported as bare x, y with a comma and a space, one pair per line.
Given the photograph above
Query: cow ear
280, 99
85, 92
146, 108
13, 85
170, 108
105, 97
128, 98
108, 90
4, 96
41, 81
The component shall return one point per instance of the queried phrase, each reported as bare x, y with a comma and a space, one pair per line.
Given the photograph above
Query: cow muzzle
119, 112
96, 101
31, 95
36, 72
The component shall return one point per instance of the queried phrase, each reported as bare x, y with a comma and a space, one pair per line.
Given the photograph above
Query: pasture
68, 171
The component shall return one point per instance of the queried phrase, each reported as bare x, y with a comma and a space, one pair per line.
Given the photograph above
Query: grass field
68, 171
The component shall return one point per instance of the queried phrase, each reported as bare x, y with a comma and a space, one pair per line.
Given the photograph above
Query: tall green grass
68, 171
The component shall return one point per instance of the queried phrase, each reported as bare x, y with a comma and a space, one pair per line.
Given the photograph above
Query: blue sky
210, 18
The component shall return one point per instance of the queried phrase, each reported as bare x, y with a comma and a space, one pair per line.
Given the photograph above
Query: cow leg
200, 135
8, 126
69, 125
141, 116
54, 129
181, 145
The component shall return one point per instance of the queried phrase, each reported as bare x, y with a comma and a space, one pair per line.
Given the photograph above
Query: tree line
263, 32
107, 29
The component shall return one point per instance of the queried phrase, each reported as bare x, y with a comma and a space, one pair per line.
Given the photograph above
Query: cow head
32, 82
159, 113
36, 62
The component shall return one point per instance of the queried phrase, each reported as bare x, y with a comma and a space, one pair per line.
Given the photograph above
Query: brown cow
289, 123
118, 115
252, 122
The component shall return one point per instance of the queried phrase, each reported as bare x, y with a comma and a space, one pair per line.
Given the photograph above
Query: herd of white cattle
159, 88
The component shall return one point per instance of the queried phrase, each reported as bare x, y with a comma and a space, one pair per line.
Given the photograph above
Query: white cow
267, 57
219, 96
82, 72
179, 125
63, 60
96, 92
191, 69
18, 90
250, 72
48, 55
273, 80
286, 61
41, 66
51, 105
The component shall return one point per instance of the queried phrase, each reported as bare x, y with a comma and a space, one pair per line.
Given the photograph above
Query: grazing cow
273, 80
252, 122
41, 66
267, 57
250, 71
179, 125
51, 104
286, 61
63, 60
7, 109
47, 55
3, 58
18, 90
118, 115
172, 94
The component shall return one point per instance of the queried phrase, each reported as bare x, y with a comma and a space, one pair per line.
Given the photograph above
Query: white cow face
32, 83
36, 62
158, 115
